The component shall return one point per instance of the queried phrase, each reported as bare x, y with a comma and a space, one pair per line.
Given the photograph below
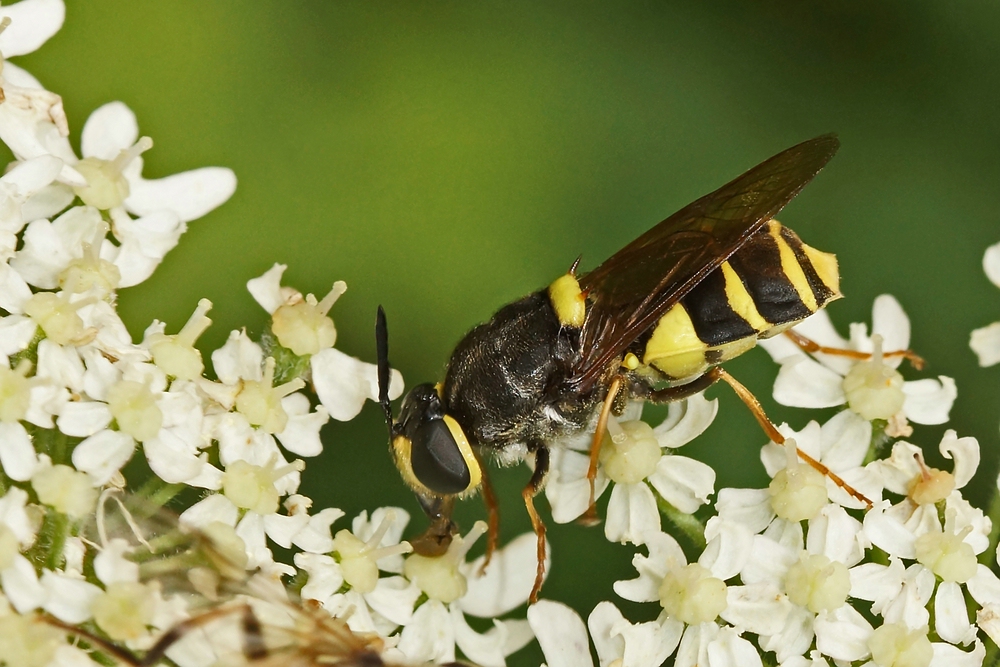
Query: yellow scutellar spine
740, 300
568, 301
792, 269
674, 347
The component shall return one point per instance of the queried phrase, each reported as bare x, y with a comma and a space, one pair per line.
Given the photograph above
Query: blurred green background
445, 158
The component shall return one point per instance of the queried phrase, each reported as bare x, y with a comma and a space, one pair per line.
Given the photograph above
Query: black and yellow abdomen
771, 283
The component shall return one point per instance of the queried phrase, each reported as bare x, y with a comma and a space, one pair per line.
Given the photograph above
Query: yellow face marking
568, 301
825, 264
401, 455
475, 472
740, 300
674, 347
630, 362
792, 269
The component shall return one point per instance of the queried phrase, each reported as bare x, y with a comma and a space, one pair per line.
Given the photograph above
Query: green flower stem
47, 552
156, 493
688, 524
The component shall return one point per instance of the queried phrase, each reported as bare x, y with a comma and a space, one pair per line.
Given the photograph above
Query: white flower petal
110, 129
648, 643
343, 383
561, 634
430, 635
239, 359
805, 383
14, 515
315, 537
768, 562
16, 333
144, 243
103, 454
83, 418
758, 608
951, 618
211, 508
845, 440
325, 576
112, 565
684, 483
946, 655
890, 321
610, 645
266, 289
888, 533
17, 454
507, 582
991, 264
731, 650
189, 195
749, 507
631, 514
836, 535
964, 452
929, 401
68, 598
32, 23
14, 291
729, 547
485, 649
568, 489
301, 433
985, 342
794, 639
394, 598
21, 586
843, 634
686, 420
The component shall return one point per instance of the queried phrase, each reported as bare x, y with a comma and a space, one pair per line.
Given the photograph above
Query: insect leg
590, 517
492, 514
758, 412
535, 485
811, 346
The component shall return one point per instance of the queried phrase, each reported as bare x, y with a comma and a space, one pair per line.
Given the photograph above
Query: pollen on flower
124, 610
817, 583
27, 642
894, 645
106, 184
630, 453
303, 327
947, 555
260, 403
134, 408
65, 489
15, 392
438, 576
89, 272
252, 487
692, 595
874, 390
176, 354
798, 492
359, 560
57, 317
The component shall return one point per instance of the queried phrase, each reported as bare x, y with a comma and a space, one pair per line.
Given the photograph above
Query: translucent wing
629, 292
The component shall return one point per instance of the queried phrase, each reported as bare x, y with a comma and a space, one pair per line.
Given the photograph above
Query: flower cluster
804, 572
79, 399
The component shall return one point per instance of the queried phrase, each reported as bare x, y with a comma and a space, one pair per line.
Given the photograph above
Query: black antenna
382, 348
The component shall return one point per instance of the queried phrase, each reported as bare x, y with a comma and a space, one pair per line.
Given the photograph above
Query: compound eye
436, 458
